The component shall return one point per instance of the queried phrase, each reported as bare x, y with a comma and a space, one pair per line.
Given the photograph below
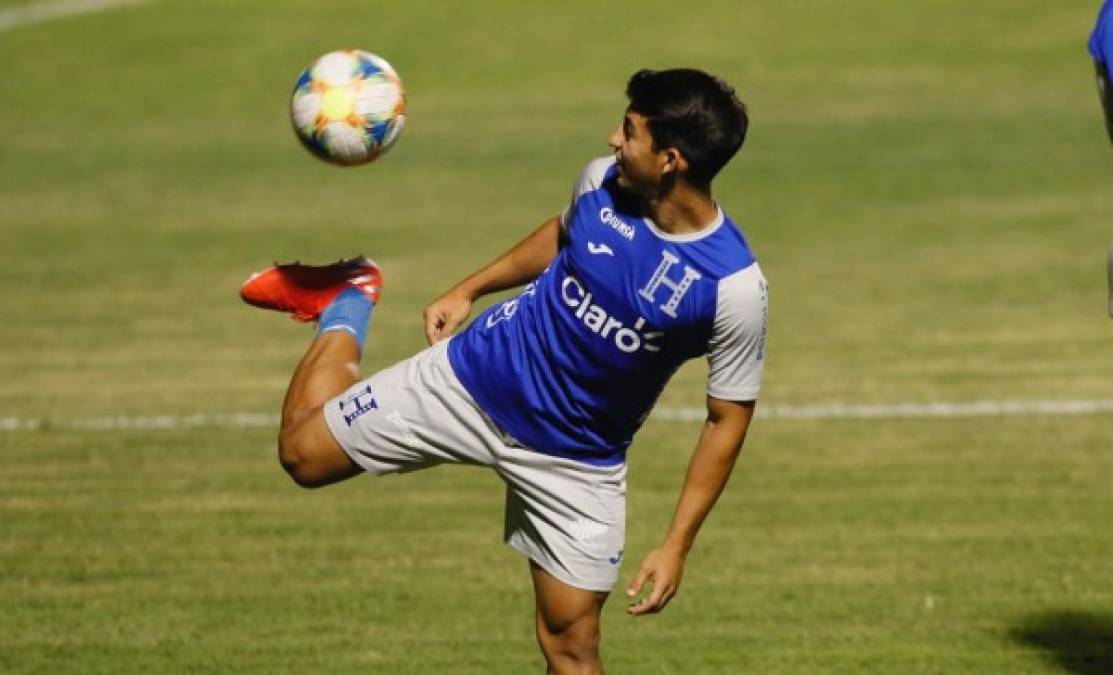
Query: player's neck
683, 210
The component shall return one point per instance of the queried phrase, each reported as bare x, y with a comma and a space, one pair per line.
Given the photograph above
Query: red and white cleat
305, 290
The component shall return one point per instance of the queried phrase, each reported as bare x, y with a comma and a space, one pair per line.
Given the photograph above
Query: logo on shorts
587, 531
357, 403
617, 559
403, 426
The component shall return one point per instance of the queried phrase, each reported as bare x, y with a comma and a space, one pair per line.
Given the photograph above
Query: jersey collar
707, 231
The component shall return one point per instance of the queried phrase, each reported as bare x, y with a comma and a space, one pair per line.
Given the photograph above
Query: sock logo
357, 403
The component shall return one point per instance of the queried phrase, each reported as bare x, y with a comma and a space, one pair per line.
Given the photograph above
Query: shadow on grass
1080, 642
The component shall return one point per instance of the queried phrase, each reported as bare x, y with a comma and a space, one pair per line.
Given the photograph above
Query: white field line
124, 422
848, 411
38, 12
822, 411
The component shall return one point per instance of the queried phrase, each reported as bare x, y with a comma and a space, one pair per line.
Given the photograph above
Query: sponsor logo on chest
608, 217
600, 322
633, 338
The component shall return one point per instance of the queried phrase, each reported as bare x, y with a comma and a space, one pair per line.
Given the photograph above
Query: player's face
640, 166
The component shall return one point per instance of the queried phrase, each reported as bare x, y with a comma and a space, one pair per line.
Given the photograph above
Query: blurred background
928, 187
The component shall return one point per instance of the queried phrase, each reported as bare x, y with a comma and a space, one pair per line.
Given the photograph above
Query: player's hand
663, 567
445, 315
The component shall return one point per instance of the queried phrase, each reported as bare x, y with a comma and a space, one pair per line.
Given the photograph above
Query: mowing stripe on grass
821, 411
39, 12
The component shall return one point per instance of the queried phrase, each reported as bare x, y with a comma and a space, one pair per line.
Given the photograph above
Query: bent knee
296, 460
303, 461
311, 456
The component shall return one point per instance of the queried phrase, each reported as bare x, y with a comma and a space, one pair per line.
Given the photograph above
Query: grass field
927, 185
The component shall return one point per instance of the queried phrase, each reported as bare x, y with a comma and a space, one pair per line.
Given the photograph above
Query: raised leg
340, 298
306, 448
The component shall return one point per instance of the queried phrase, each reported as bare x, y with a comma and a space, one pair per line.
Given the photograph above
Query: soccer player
641, 272
1101, 48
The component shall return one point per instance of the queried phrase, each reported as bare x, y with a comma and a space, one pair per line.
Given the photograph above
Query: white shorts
566, 516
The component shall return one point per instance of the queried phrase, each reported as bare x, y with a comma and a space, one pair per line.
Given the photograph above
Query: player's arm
522, 263
1105, 93
708, 472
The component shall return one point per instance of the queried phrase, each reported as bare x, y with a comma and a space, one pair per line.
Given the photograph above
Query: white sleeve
736, 353
591, 178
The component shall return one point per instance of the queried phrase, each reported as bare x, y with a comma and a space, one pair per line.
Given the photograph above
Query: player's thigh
413, 415
565, 612
568, 518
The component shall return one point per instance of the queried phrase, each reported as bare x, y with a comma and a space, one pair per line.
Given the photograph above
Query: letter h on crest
659, 278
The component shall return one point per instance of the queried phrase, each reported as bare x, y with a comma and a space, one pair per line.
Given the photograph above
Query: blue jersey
572, 366
1101, 40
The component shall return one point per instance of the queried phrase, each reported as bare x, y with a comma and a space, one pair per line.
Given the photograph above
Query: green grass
928, 188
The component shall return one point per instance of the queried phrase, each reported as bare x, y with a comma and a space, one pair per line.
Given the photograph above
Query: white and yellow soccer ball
348, 107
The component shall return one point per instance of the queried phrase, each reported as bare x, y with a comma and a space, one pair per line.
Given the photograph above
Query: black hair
692, 111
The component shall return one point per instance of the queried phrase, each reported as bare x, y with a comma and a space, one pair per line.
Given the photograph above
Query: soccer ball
348, 107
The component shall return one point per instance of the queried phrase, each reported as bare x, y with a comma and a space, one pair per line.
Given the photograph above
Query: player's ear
674, 162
